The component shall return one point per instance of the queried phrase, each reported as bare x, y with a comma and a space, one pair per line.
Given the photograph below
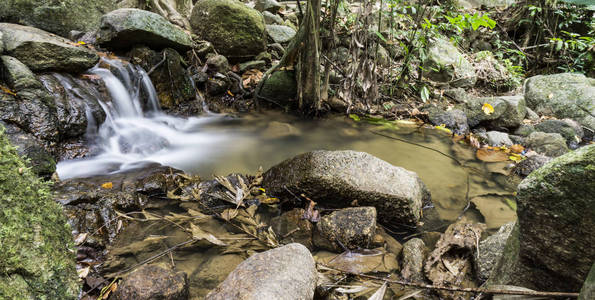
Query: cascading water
137, 132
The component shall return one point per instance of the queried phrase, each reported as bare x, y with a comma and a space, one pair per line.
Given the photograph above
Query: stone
1, 43
531, 115
287, 272
59, 17
497, 138
451, 65
281, 87
532, 162
454, 119
509, 111
212, 272
235, 30
588, 289
253, 64
218, 64
349, 178
294, 228
271, 6
412, 260
548, 144
551, 248
280, 33
493, 74
349, 228
490, 251
43, 51
277, 130
565, 95
153, 282
459, 95
525, 130
36, 247
271, 18
126, 27
41, 161
570, 130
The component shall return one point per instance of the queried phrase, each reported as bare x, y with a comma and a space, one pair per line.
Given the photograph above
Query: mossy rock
446, 63
36, 249
236, 30
281, 86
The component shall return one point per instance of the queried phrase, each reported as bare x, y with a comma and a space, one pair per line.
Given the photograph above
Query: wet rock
412, 260
218, 63
203, 48
217, 86
294, 228
287, 272
349, 228
43, 51
31, 108
496, 138
212, 272
390, 243
281, 86
454, 119
153, 282
277, 130
209, 190
568, 129
57, 17
271, 18
459, 95
41, 160
36, 247
588, 289
490, 251
171, 80
565, 95
253, 64
453, 67
551, 248
280, 33
532, 162
509, 111
125, 27
349, 178
236, 31
549, 144
271, 6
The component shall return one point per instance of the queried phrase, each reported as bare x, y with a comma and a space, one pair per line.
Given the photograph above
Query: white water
132, 136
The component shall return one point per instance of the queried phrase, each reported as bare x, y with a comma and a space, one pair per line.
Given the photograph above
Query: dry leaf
84, 272
517, 148
487, 108
80, 238
107, 185
489, 155
229, 214
7, 90
379, 294
199, 234
251, 78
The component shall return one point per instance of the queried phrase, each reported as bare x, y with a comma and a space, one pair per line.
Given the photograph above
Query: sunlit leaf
487, 109
107, 185
442, 127
229, 214
7, 90
83, 272
516, 148
511, 203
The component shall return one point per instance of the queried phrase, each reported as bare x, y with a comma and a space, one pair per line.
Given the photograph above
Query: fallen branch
459, 289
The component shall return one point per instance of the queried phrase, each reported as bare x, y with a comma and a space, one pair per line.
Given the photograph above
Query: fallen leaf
516, 148
81, 43
487, 108
229, 214
199, 234
251, 78
7, 90
489, 155
443, 128
84, 272
107, 185
80, 238
379, 294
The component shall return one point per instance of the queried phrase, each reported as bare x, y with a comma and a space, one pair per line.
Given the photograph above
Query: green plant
466, 21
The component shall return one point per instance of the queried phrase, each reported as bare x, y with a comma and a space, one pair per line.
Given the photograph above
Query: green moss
36, 256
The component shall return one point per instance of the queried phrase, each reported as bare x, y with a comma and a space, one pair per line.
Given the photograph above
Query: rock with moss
36, 248
588, 290
493, 74
280, 87
568, 129
548, 144
43, 51
280, 33
551, 248
236, 30
565, 95
56, 16
348, 228
125, 27
447, 64
509, 111
41, 161
349, 178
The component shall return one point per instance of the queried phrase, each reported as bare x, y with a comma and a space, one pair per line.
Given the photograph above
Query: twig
459, 289
158, 64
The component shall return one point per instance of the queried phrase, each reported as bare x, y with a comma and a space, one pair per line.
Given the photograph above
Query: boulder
490, 251
271, 6
413, 256
588, 289
551, 248
509, 111
280, 33
447, 64
565, 95
36, 247
126, 27
217, 64
280, 86
236, 30
524, 130
348, 178
41, 161
567, 128
497, 138
548, 144
57, 16
492, 73
454, 119
271, 18
212, 272
153, 282
287, 272
349, 228
43, 51
532, 162
1, 43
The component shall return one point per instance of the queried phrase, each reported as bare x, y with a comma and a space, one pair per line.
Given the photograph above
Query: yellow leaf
489, 155
81, 43
230, 93
107, 185
443, 128
7, 90
516, 148
487, 108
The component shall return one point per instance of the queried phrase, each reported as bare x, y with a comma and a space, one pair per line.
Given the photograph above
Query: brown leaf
490, 155
199, 234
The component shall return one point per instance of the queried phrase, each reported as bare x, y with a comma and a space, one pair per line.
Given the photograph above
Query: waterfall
136, 132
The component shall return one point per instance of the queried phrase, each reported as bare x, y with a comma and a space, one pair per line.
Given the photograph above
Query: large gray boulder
509, 111
447, 64
36, 247
565, 95
280, 33
125, 27
43, 51
284, 273
551, 248
236, 30
345, 178
56, 16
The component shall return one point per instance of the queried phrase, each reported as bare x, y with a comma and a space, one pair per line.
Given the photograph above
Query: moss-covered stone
36, 248
236, 30
281, 86
447, 64
588, 290
57, 16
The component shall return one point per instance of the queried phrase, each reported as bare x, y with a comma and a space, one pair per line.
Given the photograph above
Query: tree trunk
309, 60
